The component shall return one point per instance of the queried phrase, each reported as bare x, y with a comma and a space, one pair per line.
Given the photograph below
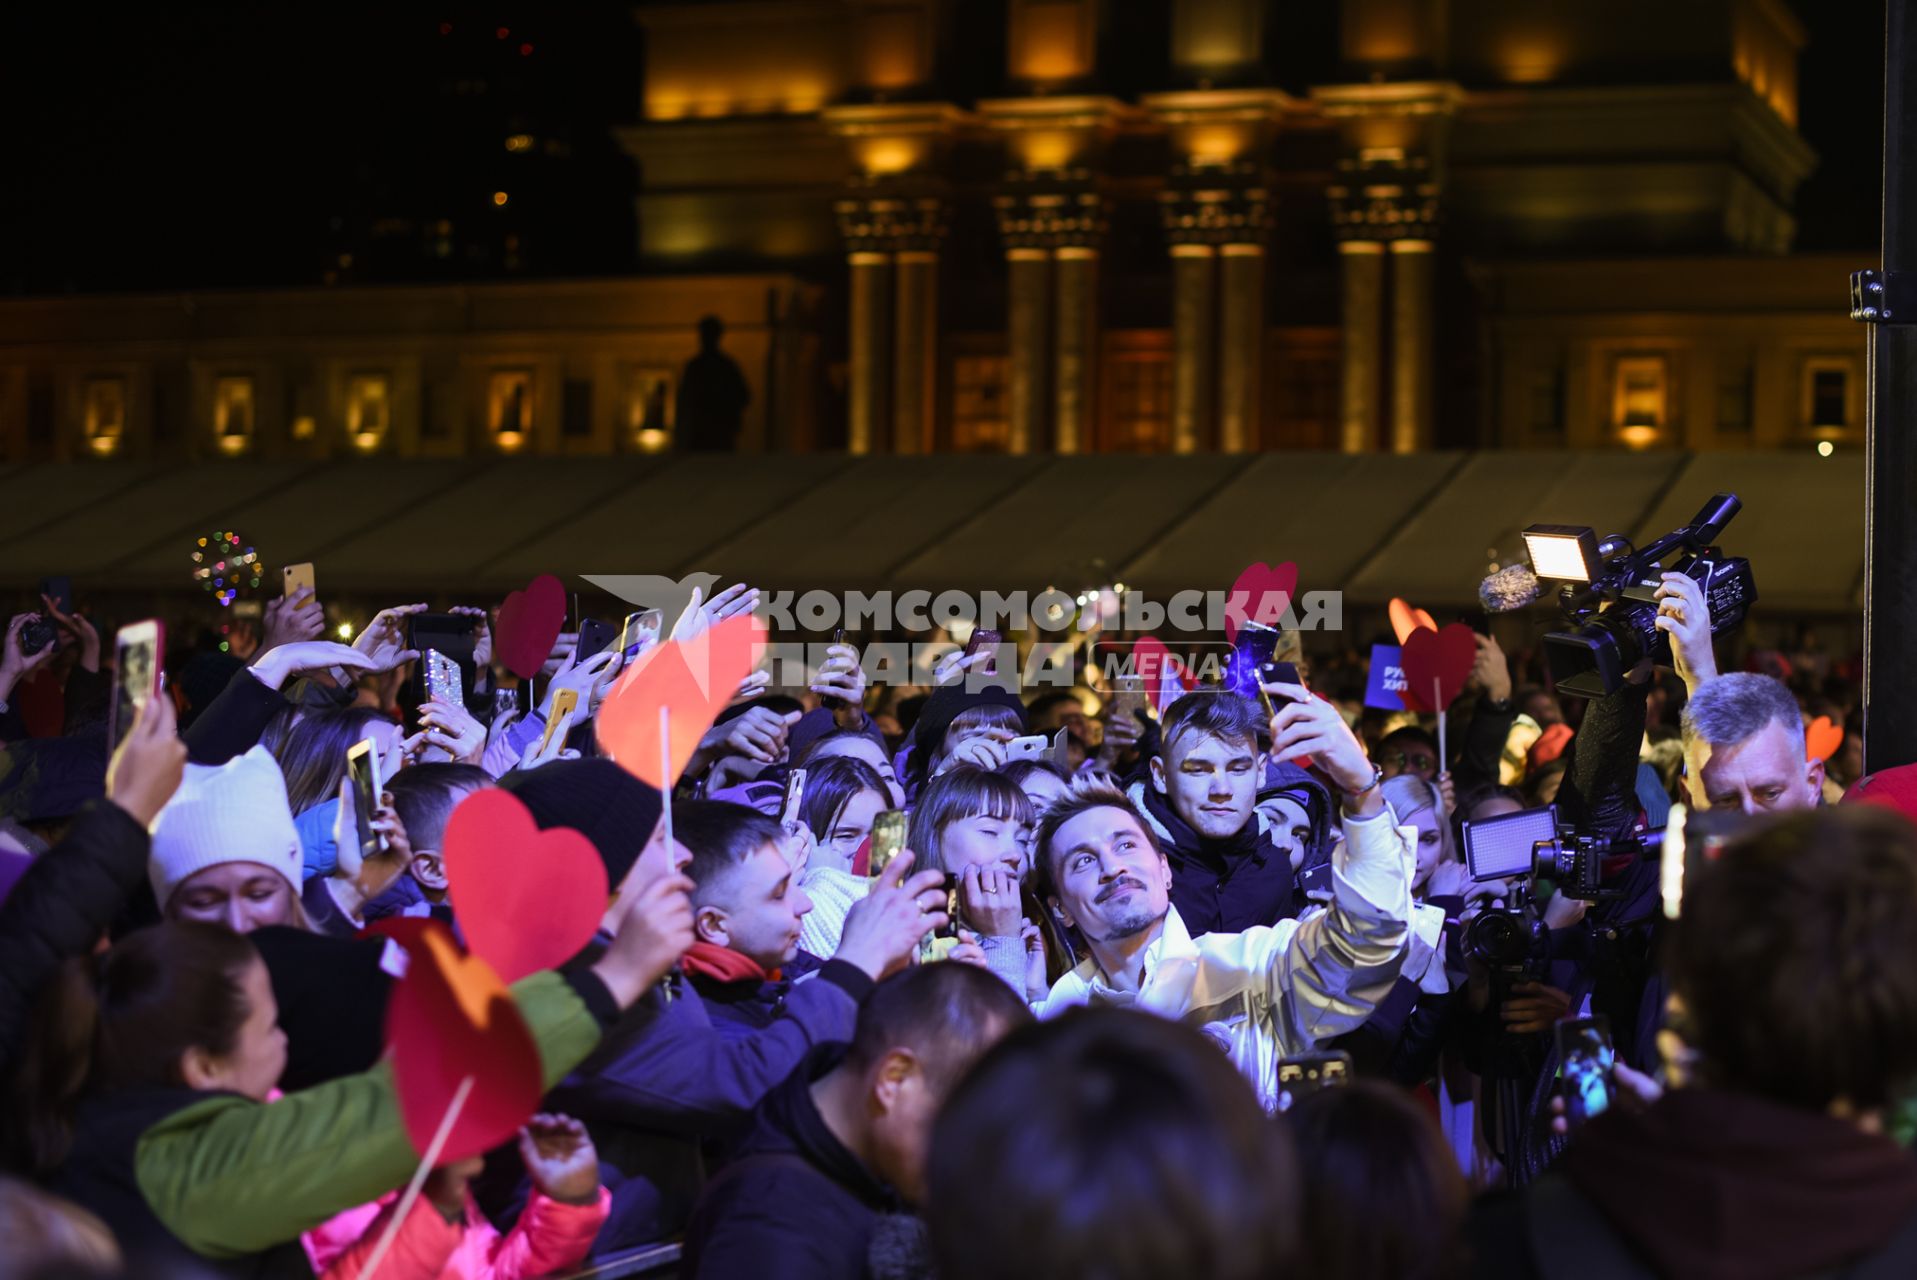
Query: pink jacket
549, 1237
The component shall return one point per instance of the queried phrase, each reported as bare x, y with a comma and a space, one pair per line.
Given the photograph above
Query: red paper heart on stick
526, 899
1822, 739
1160, 669
694, 679
449, 1018
529, 622
1443, 656
1261, 594
1405, 620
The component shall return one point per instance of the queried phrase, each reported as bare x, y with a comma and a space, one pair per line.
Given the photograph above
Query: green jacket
231, 1177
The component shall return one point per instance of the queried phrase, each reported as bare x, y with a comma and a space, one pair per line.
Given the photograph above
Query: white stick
665, 774
427, 1164
1437, 691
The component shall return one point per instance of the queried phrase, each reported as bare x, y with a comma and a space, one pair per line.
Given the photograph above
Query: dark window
39, 408
1830, 398
1734, 400
1547, 402
575, 407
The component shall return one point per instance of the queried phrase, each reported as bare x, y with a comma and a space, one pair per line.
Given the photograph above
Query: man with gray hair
1744, 747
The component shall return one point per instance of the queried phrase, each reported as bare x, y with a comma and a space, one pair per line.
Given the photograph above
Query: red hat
1893, 788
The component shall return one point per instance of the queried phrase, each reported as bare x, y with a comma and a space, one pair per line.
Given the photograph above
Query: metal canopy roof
1419, 526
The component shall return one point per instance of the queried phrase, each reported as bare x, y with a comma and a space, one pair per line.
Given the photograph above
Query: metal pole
1887, 299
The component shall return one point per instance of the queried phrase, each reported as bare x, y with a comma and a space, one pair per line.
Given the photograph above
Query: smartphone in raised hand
888, 840
295, 576
984, 640
564, 702
362, 768
139, 652
1033, 746
640, 632
1585, 1058
594, 635
444, 682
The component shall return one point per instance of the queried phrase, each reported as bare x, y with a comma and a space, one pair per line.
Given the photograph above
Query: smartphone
794, 793
985, 640
295, 576
1128, 697
938, 944
888, 838
139, 650
1034, 746
452, 635
1255, 646
362, 767
640, 632
1276, 673
564, 702
443, 681
1585, 1058
834, 704
1309, 1073
594, 636
1505, 847
60, 591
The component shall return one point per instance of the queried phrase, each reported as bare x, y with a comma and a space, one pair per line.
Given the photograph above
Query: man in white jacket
1268, 992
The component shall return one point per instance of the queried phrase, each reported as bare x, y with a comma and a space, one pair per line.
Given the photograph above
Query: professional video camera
1524, 846
1605, 643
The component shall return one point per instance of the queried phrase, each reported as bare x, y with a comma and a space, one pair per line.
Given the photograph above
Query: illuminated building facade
1085, 226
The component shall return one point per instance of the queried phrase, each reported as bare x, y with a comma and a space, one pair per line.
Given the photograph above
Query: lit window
368, 409
1141, 403
980, 415
519, 142
509, 407
104, 401
1640, 399
233, 413
649, 409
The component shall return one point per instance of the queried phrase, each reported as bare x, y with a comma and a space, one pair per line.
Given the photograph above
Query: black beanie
596, 798
947, 704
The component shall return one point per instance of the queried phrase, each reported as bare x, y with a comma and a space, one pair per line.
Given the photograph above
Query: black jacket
1710, 1186
62, 905
234, 722
1221, 886
795, 1204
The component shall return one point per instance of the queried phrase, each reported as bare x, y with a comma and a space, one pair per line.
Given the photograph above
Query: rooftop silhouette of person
713, 395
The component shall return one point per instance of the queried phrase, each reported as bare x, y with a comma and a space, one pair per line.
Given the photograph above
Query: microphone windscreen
1508, 589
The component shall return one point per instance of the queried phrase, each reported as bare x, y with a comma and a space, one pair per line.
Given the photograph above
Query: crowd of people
1212, 991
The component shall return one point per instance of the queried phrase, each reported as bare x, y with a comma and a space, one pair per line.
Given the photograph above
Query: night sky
158, 148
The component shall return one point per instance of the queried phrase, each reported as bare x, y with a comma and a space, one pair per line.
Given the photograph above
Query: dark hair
1408, 734
830, 785
1489, 791
957, 794
1046, 701
423, 798
721, 836
161, 991
1796, 958
1113, 1144
312, 755
946, 1014
1019, 770
1215, 714
832, 736
1367, 1145
1086, 794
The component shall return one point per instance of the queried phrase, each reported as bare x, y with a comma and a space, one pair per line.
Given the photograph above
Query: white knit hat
235, 812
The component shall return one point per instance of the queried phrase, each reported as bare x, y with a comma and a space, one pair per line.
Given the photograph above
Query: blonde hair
1407, 793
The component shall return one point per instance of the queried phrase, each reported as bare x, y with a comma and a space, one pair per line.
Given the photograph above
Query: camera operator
1601, 956
1794, 968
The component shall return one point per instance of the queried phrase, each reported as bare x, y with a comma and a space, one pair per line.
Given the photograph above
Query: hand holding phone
888, 840
362, 793
1586, 1057
139, 649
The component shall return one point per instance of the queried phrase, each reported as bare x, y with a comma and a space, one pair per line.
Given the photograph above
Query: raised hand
657, 930
276, 666
560, 1159
882, 930
702, 613
989, 901
1306, 726
384, 639
291, 619
78, 630
15, 661
453, 730
1683, 615
482, 634
146, 769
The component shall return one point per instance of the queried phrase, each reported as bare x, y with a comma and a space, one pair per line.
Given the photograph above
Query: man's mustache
1122, 882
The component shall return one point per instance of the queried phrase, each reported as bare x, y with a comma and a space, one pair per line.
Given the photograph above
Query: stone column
1074, 346
1194, 307
1413, 368
915, 338
1363, 267
1027, 338
1241, 269
868, 396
